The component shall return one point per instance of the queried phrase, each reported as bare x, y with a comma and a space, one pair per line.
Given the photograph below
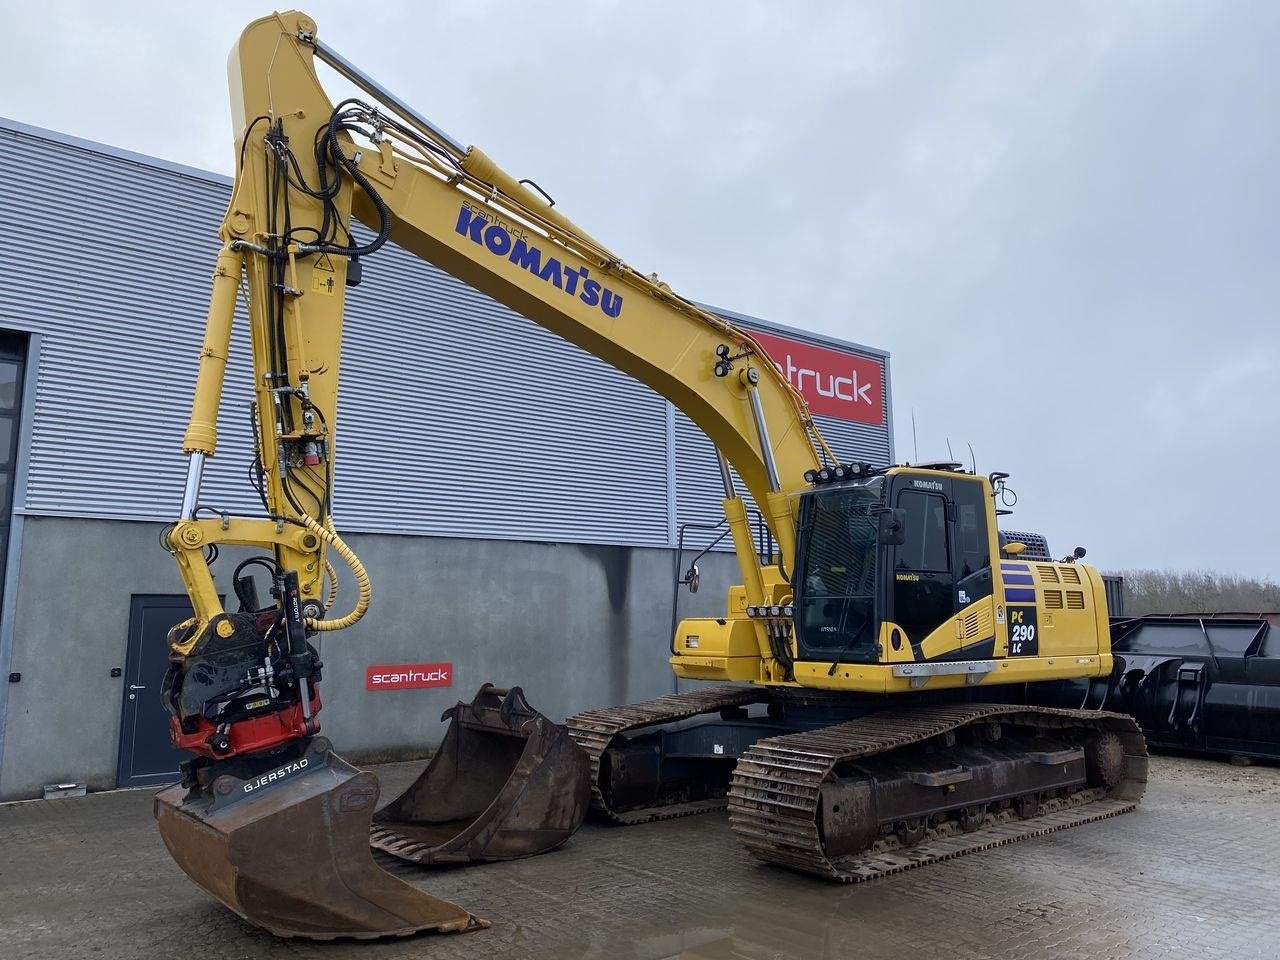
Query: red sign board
408, 676
834, 383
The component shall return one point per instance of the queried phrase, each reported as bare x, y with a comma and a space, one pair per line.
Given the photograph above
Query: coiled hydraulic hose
331, 593
329, 535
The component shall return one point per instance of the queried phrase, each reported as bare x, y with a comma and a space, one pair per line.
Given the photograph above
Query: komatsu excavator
874, 712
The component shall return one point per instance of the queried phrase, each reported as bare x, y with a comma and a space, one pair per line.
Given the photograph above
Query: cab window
925, 548
923, 587
972, 551
835, 582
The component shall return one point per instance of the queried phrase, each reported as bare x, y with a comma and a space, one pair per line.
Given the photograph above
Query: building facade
519, 526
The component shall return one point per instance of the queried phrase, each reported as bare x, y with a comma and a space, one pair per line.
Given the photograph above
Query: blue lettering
497, 240
551, 271
574, 281
571, 278
470, 224
523, 255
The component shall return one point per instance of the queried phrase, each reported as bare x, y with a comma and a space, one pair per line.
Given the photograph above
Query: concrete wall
577, 626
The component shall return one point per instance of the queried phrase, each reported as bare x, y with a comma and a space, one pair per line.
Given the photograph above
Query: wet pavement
1195, 872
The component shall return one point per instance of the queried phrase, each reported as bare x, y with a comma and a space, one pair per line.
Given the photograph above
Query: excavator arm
304, 168
268, 818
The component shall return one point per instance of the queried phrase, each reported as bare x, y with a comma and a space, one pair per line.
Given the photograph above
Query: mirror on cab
692, 579
891, 528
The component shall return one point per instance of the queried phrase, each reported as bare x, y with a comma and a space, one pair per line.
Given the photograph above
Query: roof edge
92, 146
195, 173
808, 336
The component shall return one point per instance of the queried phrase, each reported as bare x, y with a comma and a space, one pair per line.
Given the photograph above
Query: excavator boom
290, 853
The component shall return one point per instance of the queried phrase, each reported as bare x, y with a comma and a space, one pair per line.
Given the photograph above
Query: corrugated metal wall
525, 437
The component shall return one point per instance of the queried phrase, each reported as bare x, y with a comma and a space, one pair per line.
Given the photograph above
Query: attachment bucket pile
288, 851
506, 783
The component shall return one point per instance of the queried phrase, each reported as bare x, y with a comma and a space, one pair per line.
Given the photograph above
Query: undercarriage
841, 787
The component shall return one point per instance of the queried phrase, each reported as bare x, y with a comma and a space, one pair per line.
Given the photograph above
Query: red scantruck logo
408, 676
834, 384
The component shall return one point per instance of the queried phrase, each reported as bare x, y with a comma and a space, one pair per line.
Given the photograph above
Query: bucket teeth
288, 851
506, 783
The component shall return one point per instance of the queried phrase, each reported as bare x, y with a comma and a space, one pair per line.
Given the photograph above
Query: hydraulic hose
329, 535
331, 594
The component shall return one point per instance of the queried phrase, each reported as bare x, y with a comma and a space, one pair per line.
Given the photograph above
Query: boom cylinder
766, 445
202, 429
191, 491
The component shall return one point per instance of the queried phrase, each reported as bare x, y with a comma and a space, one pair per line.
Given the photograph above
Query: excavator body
873, 712
899, 709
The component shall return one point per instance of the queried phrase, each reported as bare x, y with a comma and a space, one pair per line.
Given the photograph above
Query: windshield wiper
852, 639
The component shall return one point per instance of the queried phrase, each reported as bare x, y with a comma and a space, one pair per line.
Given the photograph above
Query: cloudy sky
1060, 218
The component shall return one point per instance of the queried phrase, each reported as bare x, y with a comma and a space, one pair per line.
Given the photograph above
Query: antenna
915, 444
950, 456
973, 461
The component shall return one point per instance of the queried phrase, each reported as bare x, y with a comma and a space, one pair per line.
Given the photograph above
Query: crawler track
775, 793
594, 730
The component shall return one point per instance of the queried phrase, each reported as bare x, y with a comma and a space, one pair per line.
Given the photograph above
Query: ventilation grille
1037, 546
1075, 600
974, 625
1048, 574
1053, 599
1070, 575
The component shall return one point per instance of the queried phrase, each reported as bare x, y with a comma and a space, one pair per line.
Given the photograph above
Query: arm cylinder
726, 476
202, 430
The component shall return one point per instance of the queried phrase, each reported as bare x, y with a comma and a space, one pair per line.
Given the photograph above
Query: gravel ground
1194, 872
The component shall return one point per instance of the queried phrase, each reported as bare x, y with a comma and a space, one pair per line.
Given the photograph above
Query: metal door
13, 358
146, 756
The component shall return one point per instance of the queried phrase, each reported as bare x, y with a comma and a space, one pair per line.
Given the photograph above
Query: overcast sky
1060, 218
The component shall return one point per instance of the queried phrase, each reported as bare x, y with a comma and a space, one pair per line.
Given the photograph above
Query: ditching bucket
506, 783
288, 850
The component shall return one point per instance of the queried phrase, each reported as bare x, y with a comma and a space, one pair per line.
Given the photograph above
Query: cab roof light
841, 471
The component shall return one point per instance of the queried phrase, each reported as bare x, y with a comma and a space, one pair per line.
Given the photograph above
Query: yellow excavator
877, 668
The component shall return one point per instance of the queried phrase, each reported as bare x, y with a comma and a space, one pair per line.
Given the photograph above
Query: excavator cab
910, 547
902, 581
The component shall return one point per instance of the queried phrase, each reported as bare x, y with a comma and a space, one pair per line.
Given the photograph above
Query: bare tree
1197, 591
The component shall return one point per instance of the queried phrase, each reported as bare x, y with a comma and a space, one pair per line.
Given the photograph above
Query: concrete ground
1195, 872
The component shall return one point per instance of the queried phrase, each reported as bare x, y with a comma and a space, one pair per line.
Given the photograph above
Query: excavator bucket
506, 783
287, 849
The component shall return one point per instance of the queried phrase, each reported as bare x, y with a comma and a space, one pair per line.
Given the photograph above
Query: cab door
924, 585
970, 542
